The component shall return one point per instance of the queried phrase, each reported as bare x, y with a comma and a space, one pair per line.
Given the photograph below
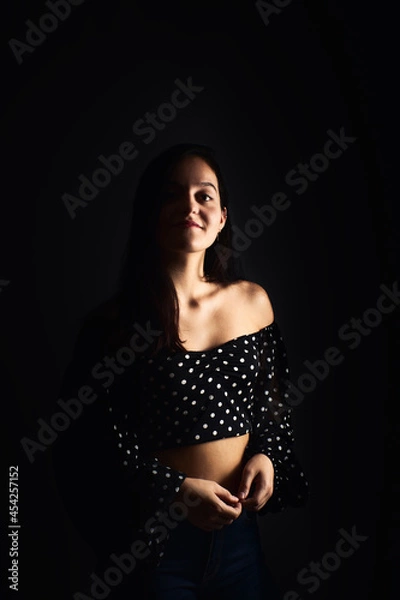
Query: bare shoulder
255, 300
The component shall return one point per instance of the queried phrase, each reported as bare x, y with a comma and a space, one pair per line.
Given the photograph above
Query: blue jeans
225, 563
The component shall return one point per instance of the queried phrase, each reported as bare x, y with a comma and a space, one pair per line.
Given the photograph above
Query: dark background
271, 93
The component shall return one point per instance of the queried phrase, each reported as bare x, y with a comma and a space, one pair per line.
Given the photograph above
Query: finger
224, 512
226, 495
257, 501
249, 504
261, 493
266, 490
245, 483
222, 521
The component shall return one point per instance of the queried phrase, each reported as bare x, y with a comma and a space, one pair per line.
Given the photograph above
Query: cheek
215, 215
166, 213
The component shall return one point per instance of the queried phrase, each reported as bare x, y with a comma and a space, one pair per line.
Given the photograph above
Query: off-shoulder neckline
239, 337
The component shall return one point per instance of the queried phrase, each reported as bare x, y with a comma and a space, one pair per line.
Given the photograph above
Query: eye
205, 196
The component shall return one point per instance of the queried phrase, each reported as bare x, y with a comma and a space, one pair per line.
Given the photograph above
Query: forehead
192, 168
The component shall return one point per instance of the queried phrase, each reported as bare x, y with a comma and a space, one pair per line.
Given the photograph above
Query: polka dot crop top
199, 396
174, 399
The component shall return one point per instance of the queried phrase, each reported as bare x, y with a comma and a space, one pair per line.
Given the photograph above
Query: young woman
194, 397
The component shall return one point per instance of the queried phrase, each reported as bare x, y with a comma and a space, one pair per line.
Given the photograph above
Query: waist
218, 460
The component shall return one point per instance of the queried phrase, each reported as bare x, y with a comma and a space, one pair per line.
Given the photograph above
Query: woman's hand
214, 506
257, 476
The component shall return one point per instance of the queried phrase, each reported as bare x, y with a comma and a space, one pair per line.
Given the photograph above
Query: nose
188, 202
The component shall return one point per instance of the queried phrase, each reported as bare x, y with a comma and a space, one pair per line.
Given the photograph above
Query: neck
187, 274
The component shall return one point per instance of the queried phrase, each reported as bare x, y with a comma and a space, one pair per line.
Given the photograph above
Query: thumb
226, 496
244, 486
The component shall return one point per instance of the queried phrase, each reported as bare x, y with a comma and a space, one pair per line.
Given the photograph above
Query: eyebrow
200, 183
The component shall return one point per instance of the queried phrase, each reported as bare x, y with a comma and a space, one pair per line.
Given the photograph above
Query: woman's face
190, 194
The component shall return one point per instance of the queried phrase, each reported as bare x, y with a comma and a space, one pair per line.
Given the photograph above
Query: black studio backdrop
271, 86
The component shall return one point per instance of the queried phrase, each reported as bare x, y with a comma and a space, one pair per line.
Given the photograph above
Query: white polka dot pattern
192, 397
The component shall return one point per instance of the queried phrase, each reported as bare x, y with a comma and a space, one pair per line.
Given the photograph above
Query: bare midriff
219, 460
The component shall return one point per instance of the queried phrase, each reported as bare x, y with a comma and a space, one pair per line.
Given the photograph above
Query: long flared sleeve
151, 485
100, 462
272, 433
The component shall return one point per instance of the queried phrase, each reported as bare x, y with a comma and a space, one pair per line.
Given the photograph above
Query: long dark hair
146, 290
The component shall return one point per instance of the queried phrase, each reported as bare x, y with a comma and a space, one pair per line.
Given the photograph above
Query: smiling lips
190, 223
